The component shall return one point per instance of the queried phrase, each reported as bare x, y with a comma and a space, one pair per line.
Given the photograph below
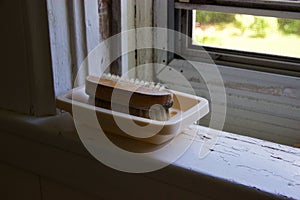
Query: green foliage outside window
260, 26
289, 26
248, 33
207, 18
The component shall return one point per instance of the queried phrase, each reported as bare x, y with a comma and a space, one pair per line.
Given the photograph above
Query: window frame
159, 6
260, 101
235, 58
283, 5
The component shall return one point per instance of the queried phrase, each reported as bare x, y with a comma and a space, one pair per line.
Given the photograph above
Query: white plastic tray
188, 109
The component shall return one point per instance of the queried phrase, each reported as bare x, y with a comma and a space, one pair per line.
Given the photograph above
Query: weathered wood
92, 28
60, 46
74, 32
160, 39
236, 166
259, 164
144, 18
115, 28
79, 40
129, 42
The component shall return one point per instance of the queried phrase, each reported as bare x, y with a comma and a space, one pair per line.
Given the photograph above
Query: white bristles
162, 88
104, 76
113, 77
152, 85
136, 82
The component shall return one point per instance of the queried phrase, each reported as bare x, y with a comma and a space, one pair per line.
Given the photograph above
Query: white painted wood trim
139, 14
15, 58
128, 23
78, 38
144, 18
26, 79
237, 167
74, 32
161, 12
60, 45
91, 23
92, 28
40, 78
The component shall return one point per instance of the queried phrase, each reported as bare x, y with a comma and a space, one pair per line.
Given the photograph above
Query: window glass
251, 33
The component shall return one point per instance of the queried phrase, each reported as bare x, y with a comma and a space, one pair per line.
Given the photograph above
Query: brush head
143, 98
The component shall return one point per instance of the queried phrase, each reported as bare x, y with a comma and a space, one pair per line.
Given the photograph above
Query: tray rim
170, 128
64, 98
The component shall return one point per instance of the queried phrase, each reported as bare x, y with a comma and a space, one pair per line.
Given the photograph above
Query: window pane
270, 35
282, 5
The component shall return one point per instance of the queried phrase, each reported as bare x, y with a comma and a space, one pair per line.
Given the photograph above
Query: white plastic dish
188, 109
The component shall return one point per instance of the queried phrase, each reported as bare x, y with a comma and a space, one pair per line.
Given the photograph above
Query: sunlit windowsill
236, 166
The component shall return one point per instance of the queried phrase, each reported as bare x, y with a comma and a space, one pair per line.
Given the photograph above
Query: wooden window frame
235, 58
254, 108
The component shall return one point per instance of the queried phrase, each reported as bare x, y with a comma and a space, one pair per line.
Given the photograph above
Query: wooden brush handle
139, 97
156, 114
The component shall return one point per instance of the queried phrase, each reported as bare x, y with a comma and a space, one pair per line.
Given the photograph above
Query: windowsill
236, 167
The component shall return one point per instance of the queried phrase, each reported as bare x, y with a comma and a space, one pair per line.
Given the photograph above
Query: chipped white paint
138, 14
128, 23
91, 28
235, 161
60, 46
252, 162
144, 16
91, 21
74, 31
162, 40
78, 50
